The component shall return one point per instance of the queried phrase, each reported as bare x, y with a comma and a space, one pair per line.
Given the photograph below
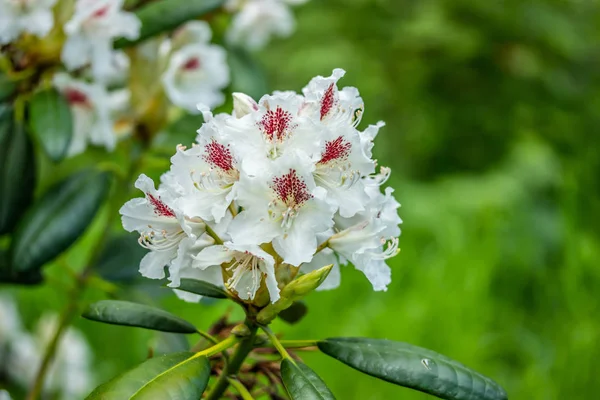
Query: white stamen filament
161, 241
245, 263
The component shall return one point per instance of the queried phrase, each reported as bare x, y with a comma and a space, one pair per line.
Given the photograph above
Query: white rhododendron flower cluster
287, 182
256, 21
69, 375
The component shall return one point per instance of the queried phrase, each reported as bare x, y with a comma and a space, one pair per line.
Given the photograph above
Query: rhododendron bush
269, 200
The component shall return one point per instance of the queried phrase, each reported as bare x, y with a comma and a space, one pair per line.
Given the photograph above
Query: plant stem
239, 386
298, 344
277, 344
245, 347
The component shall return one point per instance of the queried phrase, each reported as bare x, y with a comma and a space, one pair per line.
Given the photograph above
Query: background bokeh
492, 111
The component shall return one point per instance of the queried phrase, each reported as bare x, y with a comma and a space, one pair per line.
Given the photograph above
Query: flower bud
241, 330
294, 291
243, 104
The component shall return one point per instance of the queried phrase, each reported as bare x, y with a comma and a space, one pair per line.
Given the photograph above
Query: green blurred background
492, 113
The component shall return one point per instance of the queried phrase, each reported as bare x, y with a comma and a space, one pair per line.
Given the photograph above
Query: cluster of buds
280, 187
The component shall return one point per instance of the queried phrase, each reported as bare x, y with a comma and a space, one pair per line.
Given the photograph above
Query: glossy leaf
58, 219
166, 15
202, 288
126, 313
247, 75
17, 170
295, 313
52, 123
178, 376
302, 383
413, 367
120, 259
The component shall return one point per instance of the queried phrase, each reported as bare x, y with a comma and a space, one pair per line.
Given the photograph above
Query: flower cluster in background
97, 80
69, 376
283, 185
256, 21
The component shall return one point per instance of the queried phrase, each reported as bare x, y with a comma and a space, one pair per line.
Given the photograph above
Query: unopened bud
294, 291
243, 104
241, 330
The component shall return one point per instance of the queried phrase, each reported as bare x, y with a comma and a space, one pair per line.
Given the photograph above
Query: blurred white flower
91, 32
4, 395
92, 108
197, 70
20, 16
258, 20
69, 375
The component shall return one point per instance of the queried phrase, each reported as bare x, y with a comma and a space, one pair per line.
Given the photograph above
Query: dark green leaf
51, 121
120, 259
57, 219
7, 87
7, 275
302, 383
17, 170
126, 313
179, 376
202, 288
247, 75
166, 15
295, 313
413, 367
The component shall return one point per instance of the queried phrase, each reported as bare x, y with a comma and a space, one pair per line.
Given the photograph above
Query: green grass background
492, 112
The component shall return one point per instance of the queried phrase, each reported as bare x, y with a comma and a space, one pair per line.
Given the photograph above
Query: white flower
91, 31
283, 205
92, 108
212, 274
198, 71
273, 127
164, 230
258, 20
247, 264
70, 372
31, 16
370, 237
208, 173
4, 395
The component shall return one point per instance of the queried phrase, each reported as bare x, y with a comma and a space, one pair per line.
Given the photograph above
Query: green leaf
202, 288
17, 170
58, 219
120, 259
166, 15
302, 383
7, 86
178, 376
7, 275
52, 123
295, 313
247, 75
413, 367
126, 313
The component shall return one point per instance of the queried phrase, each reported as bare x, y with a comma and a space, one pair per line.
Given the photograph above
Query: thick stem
244, 348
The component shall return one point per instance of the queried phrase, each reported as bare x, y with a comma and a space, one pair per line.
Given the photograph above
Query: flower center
245, 263
101, 12
191, 65
335, 150
276, 125
218, 156
77, 97
291, 190
328, 100
160, 208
